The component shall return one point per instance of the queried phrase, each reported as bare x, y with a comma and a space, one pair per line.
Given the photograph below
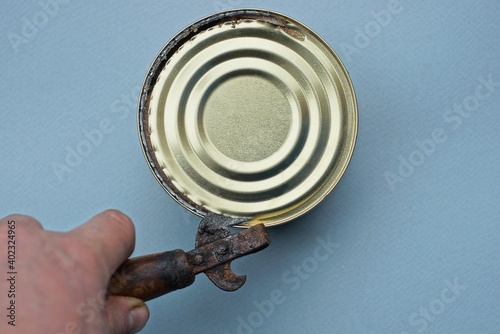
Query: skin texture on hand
61, 280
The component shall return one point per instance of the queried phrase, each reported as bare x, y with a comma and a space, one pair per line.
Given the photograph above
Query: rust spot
276, 21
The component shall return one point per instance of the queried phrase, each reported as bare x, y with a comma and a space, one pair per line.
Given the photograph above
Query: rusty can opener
150, 276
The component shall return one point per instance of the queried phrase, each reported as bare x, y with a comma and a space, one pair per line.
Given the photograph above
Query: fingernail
118, 215
138, 318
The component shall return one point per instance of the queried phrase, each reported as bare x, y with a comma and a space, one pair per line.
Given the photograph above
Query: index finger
111, 235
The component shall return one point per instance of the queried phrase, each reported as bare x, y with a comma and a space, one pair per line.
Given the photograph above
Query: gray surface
395, 249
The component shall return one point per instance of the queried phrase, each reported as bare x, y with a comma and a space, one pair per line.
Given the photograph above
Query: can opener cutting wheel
150, 276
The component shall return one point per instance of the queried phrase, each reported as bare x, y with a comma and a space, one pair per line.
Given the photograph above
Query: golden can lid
248, 113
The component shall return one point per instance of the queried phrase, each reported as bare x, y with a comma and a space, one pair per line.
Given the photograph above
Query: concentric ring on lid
248, 113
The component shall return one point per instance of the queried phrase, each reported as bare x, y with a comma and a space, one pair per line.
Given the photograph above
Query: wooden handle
150, 276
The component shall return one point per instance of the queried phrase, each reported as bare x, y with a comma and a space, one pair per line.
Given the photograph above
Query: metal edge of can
160, 60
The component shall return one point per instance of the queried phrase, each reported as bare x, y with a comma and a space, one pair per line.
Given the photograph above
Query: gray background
414, 223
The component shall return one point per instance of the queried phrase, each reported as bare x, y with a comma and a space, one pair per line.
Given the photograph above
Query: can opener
150, 276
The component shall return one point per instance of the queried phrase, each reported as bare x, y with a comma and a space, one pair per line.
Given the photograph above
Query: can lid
248, 113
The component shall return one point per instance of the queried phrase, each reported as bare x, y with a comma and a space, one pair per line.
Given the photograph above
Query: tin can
250, 114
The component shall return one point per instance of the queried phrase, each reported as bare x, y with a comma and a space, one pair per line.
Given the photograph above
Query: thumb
126, 315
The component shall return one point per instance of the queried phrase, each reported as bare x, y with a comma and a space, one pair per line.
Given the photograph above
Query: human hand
61, 280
